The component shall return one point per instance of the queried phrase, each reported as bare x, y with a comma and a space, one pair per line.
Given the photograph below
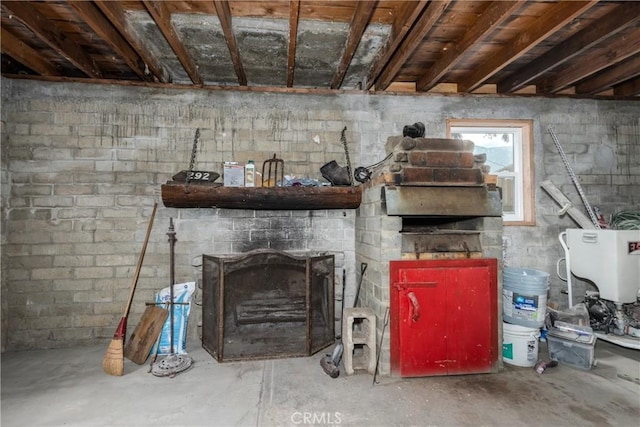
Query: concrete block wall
378, 240
82, 166
82, 173
5, 190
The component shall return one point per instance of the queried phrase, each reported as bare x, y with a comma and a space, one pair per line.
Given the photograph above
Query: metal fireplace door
443, 317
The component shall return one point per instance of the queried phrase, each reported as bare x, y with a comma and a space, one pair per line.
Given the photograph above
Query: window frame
526, 159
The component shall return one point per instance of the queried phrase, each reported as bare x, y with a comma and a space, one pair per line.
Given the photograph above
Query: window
508, 147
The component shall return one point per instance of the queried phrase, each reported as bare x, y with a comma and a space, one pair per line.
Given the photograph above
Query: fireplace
432, 204
267, 304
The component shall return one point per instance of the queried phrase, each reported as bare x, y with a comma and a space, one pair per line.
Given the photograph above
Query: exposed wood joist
556, 17
294, 17
549, 48
116, 14
425, 23
94, 18
359, 21
46, 31
162, 17
27, 56
406, 19
616, 51
619, 19
492, 18
628, 88
224, 15
610, 77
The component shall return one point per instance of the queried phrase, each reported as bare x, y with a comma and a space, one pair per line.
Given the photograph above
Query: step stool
359, 338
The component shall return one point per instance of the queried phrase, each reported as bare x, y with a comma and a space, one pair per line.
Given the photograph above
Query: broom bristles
113, 361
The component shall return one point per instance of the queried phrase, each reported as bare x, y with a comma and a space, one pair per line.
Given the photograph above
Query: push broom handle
140, 259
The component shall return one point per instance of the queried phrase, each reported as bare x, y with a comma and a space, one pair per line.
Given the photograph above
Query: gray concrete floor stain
68, 387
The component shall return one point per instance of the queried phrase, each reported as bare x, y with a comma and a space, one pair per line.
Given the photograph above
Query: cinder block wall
82, 166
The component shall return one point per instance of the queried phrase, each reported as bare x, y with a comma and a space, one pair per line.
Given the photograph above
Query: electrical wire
626, 220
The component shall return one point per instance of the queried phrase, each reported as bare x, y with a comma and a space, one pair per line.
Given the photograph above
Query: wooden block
452, 159
491, 179
198, 195
443, 144
417, 175
398, 142
441, 176
467, 176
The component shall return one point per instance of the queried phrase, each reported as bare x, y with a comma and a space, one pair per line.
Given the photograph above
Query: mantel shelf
207, 195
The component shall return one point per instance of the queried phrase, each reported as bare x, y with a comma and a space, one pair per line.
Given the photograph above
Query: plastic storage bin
573, 348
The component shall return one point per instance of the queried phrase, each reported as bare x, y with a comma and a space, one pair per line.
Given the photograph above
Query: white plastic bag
182, 293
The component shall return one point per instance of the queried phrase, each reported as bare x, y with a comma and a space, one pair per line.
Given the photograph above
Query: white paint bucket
519, 345
524, 296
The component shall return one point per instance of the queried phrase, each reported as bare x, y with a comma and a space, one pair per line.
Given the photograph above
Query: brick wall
82, 166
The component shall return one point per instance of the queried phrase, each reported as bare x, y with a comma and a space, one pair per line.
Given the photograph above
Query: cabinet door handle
414, 309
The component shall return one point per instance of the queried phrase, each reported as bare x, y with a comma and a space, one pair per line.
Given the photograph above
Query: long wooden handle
140, 259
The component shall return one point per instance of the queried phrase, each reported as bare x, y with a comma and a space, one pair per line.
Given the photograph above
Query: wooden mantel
207, 195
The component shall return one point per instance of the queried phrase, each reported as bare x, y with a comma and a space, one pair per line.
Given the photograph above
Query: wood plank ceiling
552, 48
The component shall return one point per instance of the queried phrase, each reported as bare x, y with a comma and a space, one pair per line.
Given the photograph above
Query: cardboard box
233, 174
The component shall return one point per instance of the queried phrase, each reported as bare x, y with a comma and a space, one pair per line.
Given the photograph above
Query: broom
113, 360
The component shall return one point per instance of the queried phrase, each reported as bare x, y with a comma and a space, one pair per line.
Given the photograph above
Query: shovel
145, 335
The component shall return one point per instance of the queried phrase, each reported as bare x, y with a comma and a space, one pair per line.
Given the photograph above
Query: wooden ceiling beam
47, 31
115, 13
610, 77
160, 13
405, 20
26, 55
94, 18
617, 50
425, 23
360, 19
628, 88
619, 19
224, 15
294, 17
494, 16
558, 15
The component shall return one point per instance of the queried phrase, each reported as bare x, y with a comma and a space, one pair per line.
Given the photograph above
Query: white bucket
519, 345
524, 296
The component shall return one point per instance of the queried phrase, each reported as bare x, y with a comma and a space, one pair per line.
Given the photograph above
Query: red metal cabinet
443, 317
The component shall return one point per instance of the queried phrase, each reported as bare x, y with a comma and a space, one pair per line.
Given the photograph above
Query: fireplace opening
453, 237
417, 224
267, 304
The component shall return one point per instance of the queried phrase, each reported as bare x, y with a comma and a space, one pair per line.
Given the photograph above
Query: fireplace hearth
267, 304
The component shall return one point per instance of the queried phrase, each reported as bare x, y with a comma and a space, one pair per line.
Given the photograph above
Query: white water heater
608, 258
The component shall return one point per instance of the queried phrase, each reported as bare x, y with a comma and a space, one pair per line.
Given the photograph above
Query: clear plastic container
578, 353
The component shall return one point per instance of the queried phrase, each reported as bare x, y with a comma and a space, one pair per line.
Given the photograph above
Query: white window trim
523, 158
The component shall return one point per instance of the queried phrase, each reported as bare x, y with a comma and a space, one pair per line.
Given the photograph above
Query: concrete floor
68, 387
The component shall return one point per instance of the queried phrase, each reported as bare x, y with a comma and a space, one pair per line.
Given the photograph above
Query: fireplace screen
267, 304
